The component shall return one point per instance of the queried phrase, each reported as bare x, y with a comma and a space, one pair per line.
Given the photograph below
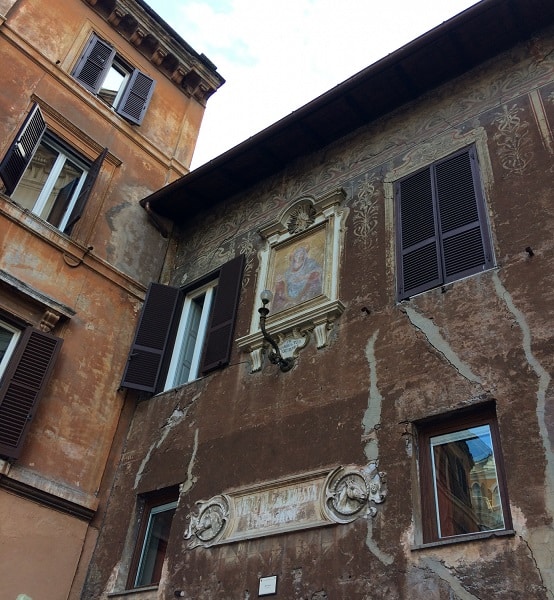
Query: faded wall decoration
297, 270
512, 137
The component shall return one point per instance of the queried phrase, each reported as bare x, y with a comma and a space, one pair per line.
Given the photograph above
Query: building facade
380, 424
101, 105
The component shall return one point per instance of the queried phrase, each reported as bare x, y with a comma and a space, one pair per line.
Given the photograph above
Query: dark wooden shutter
85, 192
417, 239
151, 338
136, 97
219, 337
463, 231
442, 223
21, 151
22, 386
93, 64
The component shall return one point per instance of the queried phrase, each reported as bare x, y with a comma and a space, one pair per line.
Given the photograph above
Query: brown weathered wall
387, 364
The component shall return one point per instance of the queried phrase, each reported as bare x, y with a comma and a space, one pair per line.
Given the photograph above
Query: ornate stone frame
293, 326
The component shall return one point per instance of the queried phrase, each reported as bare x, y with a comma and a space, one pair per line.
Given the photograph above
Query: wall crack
444, 573
436, 340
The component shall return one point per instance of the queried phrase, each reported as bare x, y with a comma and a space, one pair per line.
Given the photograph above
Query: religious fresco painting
297, 270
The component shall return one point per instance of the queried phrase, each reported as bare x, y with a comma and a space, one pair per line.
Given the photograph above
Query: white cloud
277, 56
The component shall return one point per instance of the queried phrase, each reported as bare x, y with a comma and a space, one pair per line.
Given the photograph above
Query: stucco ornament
208, 522
301, 217
351, 492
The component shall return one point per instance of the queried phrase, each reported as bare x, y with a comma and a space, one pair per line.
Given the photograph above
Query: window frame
149, 504
438, 267
447, 424
20, 154
208, 291
64, 154
92, 68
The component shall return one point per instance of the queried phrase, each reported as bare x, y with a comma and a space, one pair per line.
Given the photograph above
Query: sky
277, 55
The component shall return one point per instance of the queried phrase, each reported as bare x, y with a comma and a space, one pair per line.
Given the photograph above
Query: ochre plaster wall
100, 272
39, 551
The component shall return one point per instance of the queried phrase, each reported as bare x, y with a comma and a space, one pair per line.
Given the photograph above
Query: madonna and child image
298, 272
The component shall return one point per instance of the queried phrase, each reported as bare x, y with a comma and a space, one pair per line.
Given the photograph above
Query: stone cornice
194, 74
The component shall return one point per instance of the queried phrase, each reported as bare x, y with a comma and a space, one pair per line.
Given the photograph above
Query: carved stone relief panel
314, 499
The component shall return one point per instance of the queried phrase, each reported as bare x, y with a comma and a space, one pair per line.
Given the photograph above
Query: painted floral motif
247, 248
513, 140
365, 210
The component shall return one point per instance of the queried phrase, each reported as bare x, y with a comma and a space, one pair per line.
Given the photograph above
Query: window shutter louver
93, 64
23, 385
151, 338
461, 216
219, 337
419, 265
21, 151
85, 192
136, 97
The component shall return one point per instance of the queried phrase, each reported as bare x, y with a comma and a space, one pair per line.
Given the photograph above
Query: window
442, 226
182, 334
461, 474
44, 175
27, 358
187, 350
153, 536
104, 73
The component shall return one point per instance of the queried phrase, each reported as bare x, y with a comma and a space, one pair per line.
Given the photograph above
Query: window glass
51, 183
113, 84
191, 334
155, 544
464, 467
8, 340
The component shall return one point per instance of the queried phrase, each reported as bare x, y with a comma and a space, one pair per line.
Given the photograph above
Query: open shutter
23, 385
85, 192
417, 239
151, 338
21, 151
465, 243
219, 337
136, 97
93, 64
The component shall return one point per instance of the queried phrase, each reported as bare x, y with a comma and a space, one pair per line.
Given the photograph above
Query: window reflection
465, 482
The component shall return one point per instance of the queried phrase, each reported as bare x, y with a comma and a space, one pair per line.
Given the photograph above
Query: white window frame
153, 511
208, 291
63, 156
11, 345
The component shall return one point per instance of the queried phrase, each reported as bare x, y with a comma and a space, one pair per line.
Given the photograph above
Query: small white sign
268, 585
